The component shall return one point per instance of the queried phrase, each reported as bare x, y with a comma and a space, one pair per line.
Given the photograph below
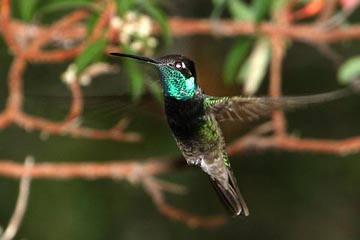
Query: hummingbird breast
185, 117
198, 135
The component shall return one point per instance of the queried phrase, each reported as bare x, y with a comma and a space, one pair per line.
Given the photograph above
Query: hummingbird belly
198, 136
204, 146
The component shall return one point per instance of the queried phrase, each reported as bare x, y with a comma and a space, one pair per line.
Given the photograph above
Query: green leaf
155, 89
59, 6
123, 6
135, 74
254, 69
350, 70
90, 54
261, 9
235, 58
91, 22
27, 9
218, 3
240, 11
278, 5
218, 9
161, 18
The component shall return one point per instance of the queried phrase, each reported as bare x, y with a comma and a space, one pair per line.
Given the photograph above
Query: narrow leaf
161, 18
218, 9
278, 5
349, 70
91, 22
90, 54
27, 9
256, 66
235, 58
123, 6
261, 8
59, 6
240, 11
155, 89
137, 82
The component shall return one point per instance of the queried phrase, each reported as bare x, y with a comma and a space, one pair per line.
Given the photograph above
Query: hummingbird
194, 117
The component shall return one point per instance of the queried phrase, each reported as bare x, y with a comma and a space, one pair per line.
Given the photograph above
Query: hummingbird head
177, 74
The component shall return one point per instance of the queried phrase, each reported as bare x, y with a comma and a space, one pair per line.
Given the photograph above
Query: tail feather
231, 196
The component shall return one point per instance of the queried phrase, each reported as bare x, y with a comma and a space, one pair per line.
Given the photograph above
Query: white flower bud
131, 16
152, 42
69, 76
137, 46
116, 23
129, 28
144, 26
84, 80
124, 38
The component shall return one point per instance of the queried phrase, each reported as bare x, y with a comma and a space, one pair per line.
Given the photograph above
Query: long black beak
141, 58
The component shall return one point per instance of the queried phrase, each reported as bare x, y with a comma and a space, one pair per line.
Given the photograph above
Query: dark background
290, 195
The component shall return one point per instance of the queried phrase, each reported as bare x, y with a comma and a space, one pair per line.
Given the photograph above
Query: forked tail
231, 196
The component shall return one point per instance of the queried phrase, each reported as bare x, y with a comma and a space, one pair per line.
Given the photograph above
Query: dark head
177, 74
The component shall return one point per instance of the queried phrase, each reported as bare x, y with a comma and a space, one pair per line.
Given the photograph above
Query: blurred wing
241, 108
244, 109
95, 108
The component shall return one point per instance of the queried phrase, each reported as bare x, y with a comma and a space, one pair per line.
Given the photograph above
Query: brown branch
87, 170
291, 143
128, 168
302, 32
77, 102
275, 81
328, 10
7, 27
134, 171
277, 55
59, 26
67, 127
131, 170
192, 220
13, 112
180, 27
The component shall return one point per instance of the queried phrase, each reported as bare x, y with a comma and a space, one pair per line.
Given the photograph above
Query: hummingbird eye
179, 65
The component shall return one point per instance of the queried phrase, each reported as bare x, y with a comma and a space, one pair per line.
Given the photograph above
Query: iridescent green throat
175, 84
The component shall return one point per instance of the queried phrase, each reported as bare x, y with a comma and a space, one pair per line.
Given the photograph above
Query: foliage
237, 67
242, 60
350, 70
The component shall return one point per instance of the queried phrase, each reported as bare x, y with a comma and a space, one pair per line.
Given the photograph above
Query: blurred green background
290, 195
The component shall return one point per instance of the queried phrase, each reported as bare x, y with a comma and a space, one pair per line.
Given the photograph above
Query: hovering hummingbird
194, 120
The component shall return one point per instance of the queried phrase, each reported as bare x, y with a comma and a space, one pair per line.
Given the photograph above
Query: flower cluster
135, 31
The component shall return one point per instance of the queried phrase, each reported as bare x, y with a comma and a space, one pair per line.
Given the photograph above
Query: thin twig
21, 203
339, 18
154, 190
327, 11
277, 55
88, 170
